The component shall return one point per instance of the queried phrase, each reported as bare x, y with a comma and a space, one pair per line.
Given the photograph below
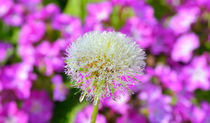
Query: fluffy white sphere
104, 64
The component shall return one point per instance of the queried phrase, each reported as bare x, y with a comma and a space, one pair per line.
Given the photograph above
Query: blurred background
174, 33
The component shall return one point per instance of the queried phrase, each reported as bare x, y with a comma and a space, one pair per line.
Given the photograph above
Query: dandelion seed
104, 64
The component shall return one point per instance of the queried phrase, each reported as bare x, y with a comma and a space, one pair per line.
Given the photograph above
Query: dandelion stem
95, 112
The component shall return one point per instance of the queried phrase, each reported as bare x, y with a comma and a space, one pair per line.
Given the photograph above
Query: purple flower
92, 24
5, 7
118, 104
38, 106
144, 11
15, 17
27, 52
49, 61
59, 90
206, 108
11, 114
17, 77
197, 115
31, 5
182, 21
164, 41
123, 2
169, 77
69, 26
99, 11
204, 3
182, 110
5, 49
140, 30
132, 116
149, 92
32, 32
158, 105
184, 46
47, 13
160, 110
196, 75
85, 115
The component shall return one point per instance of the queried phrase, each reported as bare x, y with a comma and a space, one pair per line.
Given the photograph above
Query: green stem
94, 113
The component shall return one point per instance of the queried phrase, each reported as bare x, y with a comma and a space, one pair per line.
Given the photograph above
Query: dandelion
104, 64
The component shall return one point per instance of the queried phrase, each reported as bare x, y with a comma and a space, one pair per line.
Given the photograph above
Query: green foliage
60, 3
78, 8
160, 8
119, 16
202, 95
8, 33
65, 112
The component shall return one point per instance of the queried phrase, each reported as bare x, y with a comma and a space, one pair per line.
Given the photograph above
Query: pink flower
99, 11
182, 21
17, 77
184, 46
32, 32
131, 116
59, 91
69, 26
16, 16
46, 61
39, 107
5, 7
84, 116
11, 114
196, 75
140, 30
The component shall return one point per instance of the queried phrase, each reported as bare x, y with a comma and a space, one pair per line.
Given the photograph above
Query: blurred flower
5, 7
118, 104
132, 116
103, 63
144, 11
17, 77
32, 32
184, 46
59, 91
99, 11
31, 5
48, 12
15, 17
158, 105
196, 75
49, 61
11, 114
27, 53
140, 30
5, 49
164, 41
182, 21
206, 108
84, 116
38, 106
169, 77
123, 2
69, 26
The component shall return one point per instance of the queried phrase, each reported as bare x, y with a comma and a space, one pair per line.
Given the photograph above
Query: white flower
97, 62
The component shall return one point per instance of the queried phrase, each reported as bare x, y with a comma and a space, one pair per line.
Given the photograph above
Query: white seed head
97, 62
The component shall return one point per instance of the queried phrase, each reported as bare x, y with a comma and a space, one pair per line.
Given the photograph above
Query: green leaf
65, 112
78, 8
160, 8
72, 114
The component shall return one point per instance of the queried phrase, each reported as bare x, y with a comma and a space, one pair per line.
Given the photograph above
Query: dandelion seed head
101, 64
